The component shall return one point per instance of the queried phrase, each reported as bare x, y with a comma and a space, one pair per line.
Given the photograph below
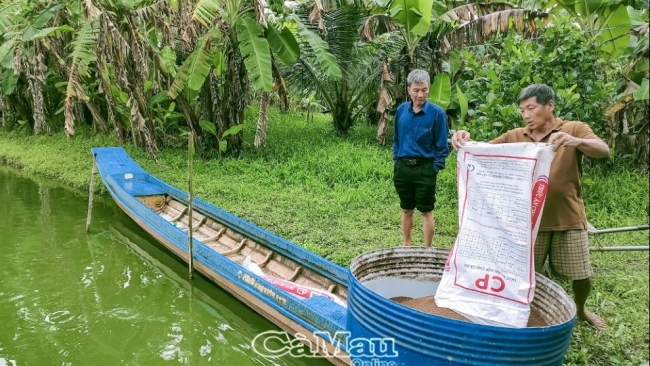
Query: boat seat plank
217, 235
217, 246
227, 241
196, 224
306, 281
295, 274
168, 213
266, 260
236, 249
198, 235
282, 271
176, 205
204, 233
180, 214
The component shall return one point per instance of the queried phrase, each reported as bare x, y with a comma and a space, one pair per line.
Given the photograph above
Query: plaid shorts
567, 252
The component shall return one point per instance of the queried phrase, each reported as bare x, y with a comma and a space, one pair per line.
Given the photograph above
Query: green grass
334, 196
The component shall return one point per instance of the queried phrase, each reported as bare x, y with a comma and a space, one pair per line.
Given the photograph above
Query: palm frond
344, 25
319, 49
196, 67
83, 50
205, 11
255, 51
485, 28
469, 12
151, 13
283, 43
81, 56
377, 24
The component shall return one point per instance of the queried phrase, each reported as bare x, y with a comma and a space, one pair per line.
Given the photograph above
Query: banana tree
57, 47
127, 62
23, 63
605, 20
627, 118
470, 25
411, 21
240, 48
446, 28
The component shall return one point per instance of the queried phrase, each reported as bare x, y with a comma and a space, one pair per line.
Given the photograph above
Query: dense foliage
151, 71
560, 57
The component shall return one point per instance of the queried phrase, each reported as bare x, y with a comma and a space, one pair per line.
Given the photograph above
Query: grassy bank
334, 196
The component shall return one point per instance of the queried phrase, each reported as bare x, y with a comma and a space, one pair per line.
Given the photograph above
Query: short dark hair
542, 92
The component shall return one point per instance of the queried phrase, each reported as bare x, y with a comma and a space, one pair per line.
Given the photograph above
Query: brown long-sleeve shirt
564, 208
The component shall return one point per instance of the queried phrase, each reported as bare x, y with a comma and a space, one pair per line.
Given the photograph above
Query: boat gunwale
293, 311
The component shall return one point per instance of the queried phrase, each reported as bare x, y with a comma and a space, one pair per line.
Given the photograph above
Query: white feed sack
489, 276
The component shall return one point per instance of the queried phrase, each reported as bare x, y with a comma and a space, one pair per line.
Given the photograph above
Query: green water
111, 297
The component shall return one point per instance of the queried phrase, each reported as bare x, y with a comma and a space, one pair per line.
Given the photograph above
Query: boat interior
237, 247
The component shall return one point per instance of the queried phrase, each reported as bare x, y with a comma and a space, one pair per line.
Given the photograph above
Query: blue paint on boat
125, 179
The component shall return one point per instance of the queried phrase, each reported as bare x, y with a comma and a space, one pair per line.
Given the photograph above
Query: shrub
560, 57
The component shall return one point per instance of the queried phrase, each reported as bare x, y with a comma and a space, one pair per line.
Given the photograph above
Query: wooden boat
221, 242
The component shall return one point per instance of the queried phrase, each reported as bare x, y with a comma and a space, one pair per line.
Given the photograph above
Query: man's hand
593, 148
563, 139
459, 139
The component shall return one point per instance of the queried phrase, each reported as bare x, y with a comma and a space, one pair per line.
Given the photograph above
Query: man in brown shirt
562, 234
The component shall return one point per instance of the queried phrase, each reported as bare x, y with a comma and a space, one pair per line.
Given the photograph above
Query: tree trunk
281, 88
236, 85
35, 80
341, 115
3, 112
383, 104
262, 119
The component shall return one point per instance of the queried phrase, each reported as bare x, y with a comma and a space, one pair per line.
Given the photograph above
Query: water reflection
112, 297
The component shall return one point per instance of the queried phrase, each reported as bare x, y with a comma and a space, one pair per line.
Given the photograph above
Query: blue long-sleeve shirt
422, 134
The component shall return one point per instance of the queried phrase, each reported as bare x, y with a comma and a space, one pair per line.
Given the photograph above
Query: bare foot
406, 244
593, 319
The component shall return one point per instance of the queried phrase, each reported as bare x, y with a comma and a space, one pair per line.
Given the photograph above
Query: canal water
111, 297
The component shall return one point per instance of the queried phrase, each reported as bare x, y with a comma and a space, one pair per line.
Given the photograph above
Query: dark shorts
415, 185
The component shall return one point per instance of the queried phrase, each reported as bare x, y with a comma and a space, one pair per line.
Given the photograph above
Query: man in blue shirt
419, 152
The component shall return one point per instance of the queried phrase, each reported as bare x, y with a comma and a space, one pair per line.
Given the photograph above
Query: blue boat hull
315, 320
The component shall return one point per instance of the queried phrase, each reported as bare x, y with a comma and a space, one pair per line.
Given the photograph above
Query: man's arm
592, 147
501, 139
583, 138
440, 141
460, 137
395, 136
